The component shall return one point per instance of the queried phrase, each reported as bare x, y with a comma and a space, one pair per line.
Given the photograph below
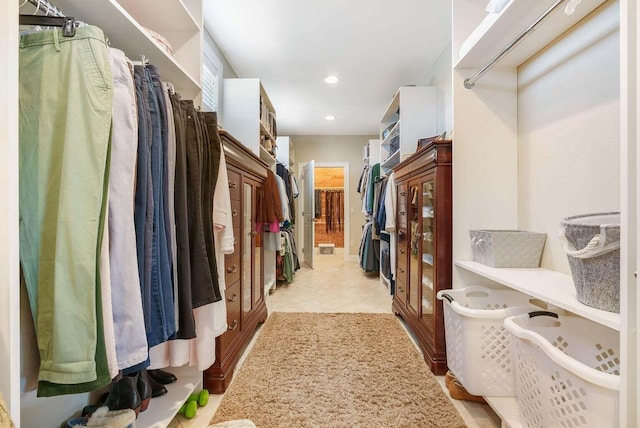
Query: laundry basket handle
542, 314
448, 297
595, 247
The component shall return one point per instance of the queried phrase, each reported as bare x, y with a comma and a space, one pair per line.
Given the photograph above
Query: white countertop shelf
512, 21
126, 34
163, 409
553, 287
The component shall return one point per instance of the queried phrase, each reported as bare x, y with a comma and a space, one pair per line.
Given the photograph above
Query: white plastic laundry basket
479, 349
567, 371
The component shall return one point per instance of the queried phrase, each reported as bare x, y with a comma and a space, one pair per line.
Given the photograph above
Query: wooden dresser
244, 269
424, 246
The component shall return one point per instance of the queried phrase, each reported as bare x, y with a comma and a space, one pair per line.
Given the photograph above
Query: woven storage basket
507, 248
567, 371
479, 350
592, 244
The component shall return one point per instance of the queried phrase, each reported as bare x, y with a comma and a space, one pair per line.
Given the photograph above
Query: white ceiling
373, 46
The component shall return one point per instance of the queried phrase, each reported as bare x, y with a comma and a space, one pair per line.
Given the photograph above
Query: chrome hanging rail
47, 8
470, 82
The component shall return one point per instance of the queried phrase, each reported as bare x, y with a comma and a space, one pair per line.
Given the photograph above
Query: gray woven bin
507, 248
592, 244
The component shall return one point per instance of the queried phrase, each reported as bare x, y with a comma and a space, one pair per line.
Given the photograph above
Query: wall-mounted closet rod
47, 8
470, 82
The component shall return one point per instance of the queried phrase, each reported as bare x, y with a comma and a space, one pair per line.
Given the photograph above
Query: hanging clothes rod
47, 8
470, 82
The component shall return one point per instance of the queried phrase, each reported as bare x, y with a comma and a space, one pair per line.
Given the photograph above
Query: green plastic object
188, 409
202, 397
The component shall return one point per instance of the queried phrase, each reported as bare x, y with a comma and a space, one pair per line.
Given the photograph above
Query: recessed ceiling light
330, 117
331, 79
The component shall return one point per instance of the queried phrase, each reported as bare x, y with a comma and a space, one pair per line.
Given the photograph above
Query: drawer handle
233, 325
234, 212
232, 269
402, 193
232, 184
402, 250
235, 241
401, 270
402, 213
233, 298
401, 289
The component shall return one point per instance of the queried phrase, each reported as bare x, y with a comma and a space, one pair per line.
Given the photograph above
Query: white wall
9, 270
440, 76
339, 148
568, 130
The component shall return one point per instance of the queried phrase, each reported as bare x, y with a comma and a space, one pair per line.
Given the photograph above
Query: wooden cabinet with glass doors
244, 269
424, 246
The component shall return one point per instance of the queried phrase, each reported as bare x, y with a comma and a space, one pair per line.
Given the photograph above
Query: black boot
124, 394
162, 377
157, 389
144, 389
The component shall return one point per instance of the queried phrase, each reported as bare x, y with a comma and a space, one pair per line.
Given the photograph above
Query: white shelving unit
123, 23
553, 287
418, 108
241, 114
496, 177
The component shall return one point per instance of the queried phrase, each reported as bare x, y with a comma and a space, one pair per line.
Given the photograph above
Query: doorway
325, 195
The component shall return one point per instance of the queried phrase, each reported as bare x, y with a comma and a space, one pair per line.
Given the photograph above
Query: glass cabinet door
257, 256
415, 234
247, 237
428, 253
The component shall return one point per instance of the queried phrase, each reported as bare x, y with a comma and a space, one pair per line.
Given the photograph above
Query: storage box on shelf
248, 114
417, 107
498, 128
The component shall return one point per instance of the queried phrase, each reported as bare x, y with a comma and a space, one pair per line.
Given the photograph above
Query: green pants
66, 92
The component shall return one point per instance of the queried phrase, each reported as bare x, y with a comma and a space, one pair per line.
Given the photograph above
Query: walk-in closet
274, 213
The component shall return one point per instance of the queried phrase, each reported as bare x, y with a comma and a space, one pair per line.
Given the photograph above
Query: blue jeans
153, 246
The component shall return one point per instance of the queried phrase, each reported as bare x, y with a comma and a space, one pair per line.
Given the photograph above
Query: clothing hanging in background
120, 243
333, 209
369, 250
287, 262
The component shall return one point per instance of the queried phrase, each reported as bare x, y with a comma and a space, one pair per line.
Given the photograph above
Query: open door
308, 212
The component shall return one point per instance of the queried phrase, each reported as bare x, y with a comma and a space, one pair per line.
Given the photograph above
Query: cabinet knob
232, 184
233, 325
401, 289
232, 269
402, 193
235, 240
401, 270
234, 212
401, 250
233, 298
402, 212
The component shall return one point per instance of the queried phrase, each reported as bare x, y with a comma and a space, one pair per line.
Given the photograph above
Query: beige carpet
336, 370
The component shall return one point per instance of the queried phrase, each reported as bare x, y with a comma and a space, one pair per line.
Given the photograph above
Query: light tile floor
336, 286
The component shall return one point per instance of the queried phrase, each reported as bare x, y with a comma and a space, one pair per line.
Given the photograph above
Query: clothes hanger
67, 23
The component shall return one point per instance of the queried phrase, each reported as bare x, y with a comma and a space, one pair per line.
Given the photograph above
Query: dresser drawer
234, 185
235, 212
231, 268
401, 292
232, 296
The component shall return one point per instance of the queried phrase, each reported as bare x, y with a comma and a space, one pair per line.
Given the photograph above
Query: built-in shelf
163, 409
392, 160
494, 35
175, 15
266, 156
508, 410
264, 131
126, 34
553, 287
394, 132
